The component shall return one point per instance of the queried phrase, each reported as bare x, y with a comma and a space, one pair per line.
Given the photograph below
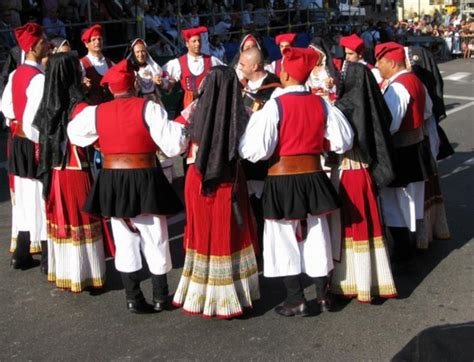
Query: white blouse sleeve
270, 67
397, 98
338, 130
7, 100
34, 94
173, 68
81, 130
261, 135
168, 135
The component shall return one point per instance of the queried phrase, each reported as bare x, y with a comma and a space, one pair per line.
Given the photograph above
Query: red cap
390, 50
94, 30
288, 37
353, 42
28, 35
299, 62
189, 33
120, 78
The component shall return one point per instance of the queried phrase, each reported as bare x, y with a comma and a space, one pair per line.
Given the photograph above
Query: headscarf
146, 84
57, 43
320, 45
217, 125
62, 91
363, 104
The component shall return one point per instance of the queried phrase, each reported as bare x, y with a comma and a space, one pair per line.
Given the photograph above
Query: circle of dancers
307, 167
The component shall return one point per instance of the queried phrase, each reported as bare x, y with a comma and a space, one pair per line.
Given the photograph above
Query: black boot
322, 294
295, 303
136, 302
21, 258
44, 257
160, 292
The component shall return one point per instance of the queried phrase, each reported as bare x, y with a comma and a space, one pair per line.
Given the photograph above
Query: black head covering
426, 69
363, 104
62, 91
217, 124
321, 44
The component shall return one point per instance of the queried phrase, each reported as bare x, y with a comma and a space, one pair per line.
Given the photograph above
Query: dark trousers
404, 244
22, 251
131, 283
257, 208
295, 291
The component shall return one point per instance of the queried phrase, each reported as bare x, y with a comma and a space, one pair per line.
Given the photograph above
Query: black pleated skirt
127, 193
293, 197
411, 164
21, 161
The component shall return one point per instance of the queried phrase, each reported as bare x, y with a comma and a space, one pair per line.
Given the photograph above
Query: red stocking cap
28, 35
390, 50
120, 78
94, 30
353, 42
299, 62
288, 37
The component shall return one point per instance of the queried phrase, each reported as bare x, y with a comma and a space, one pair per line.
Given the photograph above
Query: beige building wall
417, 6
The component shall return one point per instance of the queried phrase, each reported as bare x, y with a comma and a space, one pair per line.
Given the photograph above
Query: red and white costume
266, 135
20, 101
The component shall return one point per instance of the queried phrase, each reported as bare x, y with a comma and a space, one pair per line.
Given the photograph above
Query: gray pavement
40, 322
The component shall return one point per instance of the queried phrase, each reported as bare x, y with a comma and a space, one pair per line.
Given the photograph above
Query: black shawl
427, 71
321, 44
361, 101
217, 124
62, 91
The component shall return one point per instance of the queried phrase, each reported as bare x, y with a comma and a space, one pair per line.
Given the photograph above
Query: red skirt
211, 228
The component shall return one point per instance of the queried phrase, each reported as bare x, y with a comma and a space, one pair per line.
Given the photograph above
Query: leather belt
294, 165
129, 161
408, 138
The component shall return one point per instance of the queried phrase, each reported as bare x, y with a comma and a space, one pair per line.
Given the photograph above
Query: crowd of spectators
161, 20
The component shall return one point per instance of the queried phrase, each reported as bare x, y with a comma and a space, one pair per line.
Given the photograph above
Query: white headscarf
146, 73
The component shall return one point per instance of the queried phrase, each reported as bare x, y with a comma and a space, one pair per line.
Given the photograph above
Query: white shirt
195, 64
271, 67
168, 135
100, 65
397, 99
34, 94
261, 135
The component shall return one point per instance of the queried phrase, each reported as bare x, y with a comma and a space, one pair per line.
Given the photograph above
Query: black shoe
288, 310
161, 304
324, 305
139, 307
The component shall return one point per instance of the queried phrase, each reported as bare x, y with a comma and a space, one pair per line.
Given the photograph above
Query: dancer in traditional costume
435, 224
290, 131
190, 68
150, 78
248, 41
354, 49
95, 65
362, 264
20, 102
76, 251
149, 74
131, 188
283, 41
322, 79
220, 276
402, 201
259, 86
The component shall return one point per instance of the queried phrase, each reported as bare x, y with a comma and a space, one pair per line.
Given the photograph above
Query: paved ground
39, 322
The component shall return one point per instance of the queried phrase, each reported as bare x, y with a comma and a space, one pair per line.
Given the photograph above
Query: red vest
97, 93
190, 82
278, 67
20, 82
414, 115
122, 128
302, 123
